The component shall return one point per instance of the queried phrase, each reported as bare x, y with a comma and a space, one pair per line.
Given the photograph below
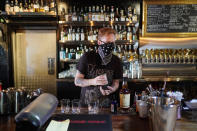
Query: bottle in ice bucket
124, 96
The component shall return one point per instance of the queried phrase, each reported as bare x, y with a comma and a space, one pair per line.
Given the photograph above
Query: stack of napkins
58, 125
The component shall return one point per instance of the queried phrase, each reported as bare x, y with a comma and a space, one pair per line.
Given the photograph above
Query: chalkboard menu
170, 18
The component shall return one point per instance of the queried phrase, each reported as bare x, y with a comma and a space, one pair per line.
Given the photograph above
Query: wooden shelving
89, 43
95, 23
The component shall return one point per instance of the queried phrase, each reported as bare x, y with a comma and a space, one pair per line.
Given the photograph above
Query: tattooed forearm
82, 82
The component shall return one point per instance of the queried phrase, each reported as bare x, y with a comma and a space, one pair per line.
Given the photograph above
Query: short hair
106, 31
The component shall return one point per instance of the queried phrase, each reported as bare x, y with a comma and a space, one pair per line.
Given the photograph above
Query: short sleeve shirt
90, 65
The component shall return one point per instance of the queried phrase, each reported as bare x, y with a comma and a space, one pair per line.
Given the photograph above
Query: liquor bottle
129, 14
82, 35
122, 16
42, 6
90, 35
12, 7
20, 6
62, 36
104, 12
66, 54
16, 6
36, 6
78, 53
77, 34
85, 15
7, 6
81, 15
102, 16
124, 96
117, 15
26, 7
134, 18
31, 6
73, 35
93, 13
117, 34
89, 14
120, 33
62, 54
129, 34
46, 7
107, 14
73, 52
52, 7
69, 35
124, 33
78, 14
112, 13
94, 35
130, 54
74, 14
98, 13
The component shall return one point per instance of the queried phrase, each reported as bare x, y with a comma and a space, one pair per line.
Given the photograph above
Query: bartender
99, 72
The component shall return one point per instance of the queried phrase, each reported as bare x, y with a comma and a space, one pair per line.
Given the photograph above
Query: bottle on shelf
73, 35
85, 15
69, 34
78, 53
124, 95
52, 7
77, 35
129, 14
81, 15
93, 13
46, 6
62, 54
134, 17
122, 16
7, 6
20, 6
117, 15
42, 6
12, 7
82, 35
102, 16
25, 8
36, 6
30, 7
129, 34
112, 13
89, 13
16, 6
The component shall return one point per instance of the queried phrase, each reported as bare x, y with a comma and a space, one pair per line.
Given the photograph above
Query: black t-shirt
90, 64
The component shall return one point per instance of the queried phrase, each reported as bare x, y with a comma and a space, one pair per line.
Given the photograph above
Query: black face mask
105, 52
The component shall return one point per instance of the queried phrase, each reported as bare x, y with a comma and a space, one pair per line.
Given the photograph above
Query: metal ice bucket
163, 113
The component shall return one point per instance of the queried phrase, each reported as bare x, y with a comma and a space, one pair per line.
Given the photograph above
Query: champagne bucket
163, 114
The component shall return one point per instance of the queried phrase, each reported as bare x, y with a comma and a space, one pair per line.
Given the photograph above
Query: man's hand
100, 80
107, 92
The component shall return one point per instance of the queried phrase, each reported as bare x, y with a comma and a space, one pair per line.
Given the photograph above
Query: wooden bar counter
120, 122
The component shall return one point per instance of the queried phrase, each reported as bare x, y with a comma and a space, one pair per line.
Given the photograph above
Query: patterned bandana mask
105, 52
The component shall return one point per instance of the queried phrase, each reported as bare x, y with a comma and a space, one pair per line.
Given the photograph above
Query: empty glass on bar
76, 106
65, 105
